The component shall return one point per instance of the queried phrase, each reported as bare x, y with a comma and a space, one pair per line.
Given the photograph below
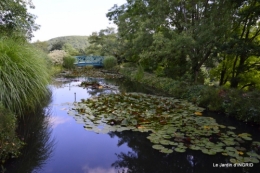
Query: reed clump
23, 75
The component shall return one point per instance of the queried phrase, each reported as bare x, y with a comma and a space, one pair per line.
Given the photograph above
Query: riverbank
242, 105
87, 71
239, 104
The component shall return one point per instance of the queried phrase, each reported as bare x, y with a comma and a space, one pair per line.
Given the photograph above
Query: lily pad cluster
174, 125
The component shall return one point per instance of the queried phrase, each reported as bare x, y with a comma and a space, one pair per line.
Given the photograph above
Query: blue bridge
96, 61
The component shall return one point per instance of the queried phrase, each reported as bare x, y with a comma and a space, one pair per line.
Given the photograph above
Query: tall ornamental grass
23, 75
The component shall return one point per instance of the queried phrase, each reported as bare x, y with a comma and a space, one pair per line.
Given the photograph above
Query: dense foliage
24, 75
177, 39
68, 62
9, 142
110, 62
15, 18
236, 103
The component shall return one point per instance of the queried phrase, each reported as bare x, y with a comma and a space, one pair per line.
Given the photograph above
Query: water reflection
78, 150
144, 159
34, 130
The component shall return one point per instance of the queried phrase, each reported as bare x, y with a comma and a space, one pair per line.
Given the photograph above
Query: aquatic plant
174, 125
23, 75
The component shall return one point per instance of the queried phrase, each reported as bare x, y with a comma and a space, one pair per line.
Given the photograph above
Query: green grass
23, 75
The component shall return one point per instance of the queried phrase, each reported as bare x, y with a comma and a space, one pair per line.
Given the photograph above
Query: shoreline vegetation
166, 54
242, 105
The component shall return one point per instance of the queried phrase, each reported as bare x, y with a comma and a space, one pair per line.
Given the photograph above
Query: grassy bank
24, 76
242, 105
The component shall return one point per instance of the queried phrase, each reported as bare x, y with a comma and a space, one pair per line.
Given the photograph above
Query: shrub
110, 62
23, 75
243, 105
68, 62
9, 142
139, 74
57, 56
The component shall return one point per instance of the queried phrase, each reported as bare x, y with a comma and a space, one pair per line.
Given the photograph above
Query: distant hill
78, 42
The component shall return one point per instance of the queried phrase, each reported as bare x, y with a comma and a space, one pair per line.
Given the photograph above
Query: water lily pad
246, 138
234, 160
180, 150
158, 147
231, 127
166, 150
194, 147
251, 159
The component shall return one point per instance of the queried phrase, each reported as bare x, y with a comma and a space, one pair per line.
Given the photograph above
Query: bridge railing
89, 60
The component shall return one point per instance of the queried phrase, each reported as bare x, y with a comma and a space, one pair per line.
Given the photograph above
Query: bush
9, 142
57, 56
24, 75
110, 62
68, 62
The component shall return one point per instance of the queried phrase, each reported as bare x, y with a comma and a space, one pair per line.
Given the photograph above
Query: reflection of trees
144, 159
130, 86
34, 130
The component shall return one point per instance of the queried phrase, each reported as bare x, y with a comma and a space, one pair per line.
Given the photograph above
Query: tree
244, 42
69, 49
106, 43
184, 32
15, 19
42, 45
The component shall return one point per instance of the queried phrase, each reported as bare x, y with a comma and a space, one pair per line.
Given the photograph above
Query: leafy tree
244, 42
173, 34
16, 20
106, 43
58, 45
42, 45
69, 49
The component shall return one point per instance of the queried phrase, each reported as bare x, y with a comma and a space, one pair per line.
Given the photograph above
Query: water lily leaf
251, 159
158, 147
180, 150
166, 150
231, 127
198, 113
234, 161
246, 138
194, 147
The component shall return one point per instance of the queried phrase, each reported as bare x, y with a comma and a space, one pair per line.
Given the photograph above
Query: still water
72, 149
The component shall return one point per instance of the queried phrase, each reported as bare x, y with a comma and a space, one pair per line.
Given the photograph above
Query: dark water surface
79, 151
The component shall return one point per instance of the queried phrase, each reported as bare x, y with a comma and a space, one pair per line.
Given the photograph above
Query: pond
68, 147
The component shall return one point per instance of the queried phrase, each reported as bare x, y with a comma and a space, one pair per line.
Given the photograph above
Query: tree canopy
15, 18
180, 37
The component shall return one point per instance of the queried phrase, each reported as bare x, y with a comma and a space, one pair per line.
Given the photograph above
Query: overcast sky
71, 17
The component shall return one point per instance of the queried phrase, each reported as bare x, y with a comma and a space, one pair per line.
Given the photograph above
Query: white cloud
87, 169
